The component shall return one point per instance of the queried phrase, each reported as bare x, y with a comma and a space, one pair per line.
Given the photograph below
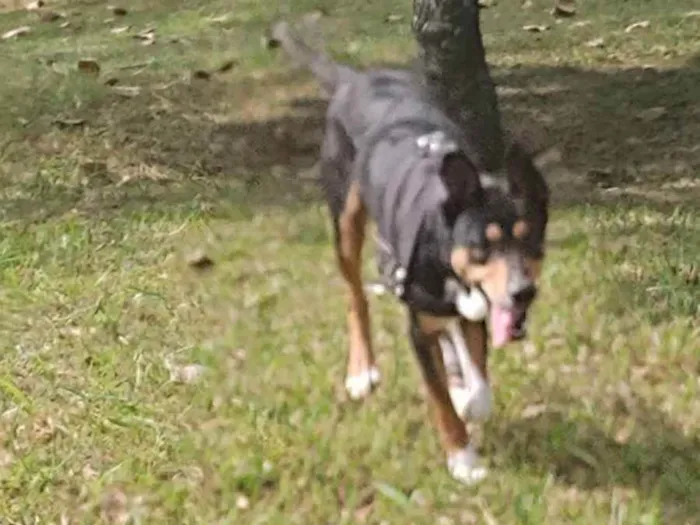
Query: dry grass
136, 388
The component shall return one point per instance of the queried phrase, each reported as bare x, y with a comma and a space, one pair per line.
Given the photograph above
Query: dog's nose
523, 293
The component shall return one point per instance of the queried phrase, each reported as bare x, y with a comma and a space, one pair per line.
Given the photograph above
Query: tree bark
452, 56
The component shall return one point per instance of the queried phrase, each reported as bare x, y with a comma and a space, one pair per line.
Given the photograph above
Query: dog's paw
473, 404
360, 386
464, 466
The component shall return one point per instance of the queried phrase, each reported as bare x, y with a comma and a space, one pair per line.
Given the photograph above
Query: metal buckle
436, 143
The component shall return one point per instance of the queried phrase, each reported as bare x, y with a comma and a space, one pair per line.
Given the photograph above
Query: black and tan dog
449, 235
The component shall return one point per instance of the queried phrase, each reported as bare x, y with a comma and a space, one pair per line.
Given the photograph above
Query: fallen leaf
484, 4
199, 260
89, 472
89, 67
14, 33
652, 114
45, 429
147, 36
392, 19
119, 30
220, 19
596, 42
581, 23
564, 8
127, 91
201, 74
68, 122
117, 11
533, 411
35, 6
138, 65
691, 14
186, 374
637, 25
226, 66
536, 28
65, 24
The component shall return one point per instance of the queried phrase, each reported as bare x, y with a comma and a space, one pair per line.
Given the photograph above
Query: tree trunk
453, 59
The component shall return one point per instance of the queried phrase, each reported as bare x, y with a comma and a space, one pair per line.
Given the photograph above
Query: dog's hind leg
349, 221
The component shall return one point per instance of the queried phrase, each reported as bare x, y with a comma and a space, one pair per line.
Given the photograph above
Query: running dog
460, 248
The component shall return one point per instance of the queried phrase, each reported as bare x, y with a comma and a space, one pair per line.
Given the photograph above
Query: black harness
403, 203
396, 279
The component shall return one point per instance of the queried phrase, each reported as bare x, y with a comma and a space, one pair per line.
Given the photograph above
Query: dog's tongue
502, 321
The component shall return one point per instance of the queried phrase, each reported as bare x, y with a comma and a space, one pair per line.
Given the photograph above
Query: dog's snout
523, 293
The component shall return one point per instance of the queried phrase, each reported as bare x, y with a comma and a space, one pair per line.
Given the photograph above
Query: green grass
596, 420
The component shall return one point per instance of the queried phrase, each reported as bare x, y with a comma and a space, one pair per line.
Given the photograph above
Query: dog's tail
326, 71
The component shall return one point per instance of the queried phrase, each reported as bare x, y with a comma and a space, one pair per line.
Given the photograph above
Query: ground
135, 386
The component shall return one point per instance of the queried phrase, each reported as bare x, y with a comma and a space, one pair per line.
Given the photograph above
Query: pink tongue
502, 321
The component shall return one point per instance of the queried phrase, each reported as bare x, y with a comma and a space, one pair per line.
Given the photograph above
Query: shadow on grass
632, 129
609, 122
656, 459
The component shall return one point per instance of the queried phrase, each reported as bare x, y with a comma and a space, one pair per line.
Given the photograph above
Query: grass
104, 195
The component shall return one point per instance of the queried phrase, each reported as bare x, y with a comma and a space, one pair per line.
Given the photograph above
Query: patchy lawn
136, 387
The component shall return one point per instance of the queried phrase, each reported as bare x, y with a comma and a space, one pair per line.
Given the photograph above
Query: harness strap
395, 279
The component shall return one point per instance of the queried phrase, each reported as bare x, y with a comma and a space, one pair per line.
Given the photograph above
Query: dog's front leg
465, 346
462, 458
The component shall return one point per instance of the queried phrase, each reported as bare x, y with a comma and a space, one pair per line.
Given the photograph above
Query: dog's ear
461, 180
527, 186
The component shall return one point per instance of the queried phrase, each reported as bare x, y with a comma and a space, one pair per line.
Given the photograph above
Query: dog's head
498, 234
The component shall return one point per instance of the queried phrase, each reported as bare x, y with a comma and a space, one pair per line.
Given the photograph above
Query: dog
460, 248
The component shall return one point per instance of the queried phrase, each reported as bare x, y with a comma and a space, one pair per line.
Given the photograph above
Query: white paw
360, 385
464, 466
472, 404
